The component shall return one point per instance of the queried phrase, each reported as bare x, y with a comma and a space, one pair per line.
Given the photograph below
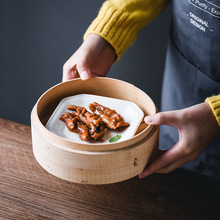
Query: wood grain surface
29, 192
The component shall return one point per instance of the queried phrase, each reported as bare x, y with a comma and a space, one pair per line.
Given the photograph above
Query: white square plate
128, 110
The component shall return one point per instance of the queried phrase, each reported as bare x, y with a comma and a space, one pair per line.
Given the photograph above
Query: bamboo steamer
99, 163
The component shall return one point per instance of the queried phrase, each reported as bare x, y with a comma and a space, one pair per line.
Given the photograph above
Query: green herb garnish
115, 138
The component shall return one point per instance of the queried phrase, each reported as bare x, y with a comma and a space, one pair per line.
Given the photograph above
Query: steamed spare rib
73, 124
96, 127
110, 117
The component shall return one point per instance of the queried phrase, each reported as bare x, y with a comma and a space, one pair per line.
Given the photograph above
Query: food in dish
92, 125
73, 124
110, 117
128, 110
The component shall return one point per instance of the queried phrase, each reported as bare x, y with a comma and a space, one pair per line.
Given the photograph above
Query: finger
83, 69
163, 118
66, 76
69, 72
167, 158
185, 156
173, 166
75, 73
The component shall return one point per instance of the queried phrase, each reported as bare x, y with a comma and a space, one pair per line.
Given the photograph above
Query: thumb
162, 118
83, 69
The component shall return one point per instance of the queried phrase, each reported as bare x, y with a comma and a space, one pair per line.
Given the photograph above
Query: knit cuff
114, 27
119, 26
214, 103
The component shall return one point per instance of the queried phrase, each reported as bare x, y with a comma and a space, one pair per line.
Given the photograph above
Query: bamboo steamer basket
86, 163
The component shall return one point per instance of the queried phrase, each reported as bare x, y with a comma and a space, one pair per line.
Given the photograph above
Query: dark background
38, 36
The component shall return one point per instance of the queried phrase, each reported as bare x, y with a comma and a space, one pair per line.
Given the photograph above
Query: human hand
93, 58
197, 127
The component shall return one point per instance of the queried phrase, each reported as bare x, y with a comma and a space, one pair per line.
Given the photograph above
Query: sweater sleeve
214, 103
119, 21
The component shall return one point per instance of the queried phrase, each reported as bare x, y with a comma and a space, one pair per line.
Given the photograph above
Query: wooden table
29, 192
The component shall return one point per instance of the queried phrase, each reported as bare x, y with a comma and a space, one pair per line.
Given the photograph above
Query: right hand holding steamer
93, 58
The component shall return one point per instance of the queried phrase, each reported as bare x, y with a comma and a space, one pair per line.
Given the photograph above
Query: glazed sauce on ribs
92, 126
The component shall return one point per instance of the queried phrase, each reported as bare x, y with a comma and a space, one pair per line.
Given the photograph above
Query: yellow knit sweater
119, 22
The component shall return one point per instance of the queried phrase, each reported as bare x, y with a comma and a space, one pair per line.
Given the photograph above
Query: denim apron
192, 71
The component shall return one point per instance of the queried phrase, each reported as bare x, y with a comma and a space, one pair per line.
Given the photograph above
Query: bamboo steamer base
92, 163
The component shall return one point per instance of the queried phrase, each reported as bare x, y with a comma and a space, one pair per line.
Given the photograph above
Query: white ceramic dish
128, 110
